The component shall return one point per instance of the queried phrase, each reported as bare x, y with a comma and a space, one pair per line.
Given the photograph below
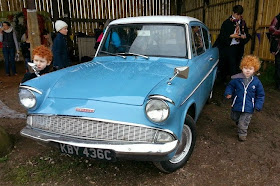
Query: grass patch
3, 159
53, 166
267, 73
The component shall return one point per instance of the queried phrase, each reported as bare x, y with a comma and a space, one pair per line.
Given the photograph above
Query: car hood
126, 82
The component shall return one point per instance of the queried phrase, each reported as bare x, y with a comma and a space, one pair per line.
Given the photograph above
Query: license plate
102, 154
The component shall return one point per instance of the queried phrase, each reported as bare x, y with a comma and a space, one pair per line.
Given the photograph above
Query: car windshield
167, 40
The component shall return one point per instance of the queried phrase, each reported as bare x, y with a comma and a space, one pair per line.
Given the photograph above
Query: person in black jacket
42, 58
59, 48
231, 41
274, 30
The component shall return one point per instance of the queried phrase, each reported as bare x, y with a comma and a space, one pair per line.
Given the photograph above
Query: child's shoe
242, 138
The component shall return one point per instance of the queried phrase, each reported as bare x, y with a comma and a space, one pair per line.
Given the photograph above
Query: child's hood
237, 76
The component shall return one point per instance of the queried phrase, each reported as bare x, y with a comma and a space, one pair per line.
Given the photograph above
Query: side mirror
182, 72
34, 68
31, 64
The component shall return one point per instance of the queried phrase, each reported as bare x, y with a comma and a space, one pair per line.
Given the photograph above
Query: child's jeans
243, 120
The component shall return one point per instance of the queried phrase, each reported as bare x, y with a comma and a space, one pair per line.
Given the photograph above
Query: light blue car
139, 98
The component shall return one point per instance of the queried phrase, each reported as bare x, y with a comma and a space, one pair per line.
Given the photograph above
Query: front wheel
184, 150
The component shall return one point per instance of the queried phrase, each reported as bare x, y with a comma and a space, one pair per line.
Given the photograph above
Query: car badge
85, 110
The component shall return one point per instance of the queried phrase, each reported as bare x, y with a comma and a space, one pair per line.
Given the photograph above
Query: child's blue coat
245, 99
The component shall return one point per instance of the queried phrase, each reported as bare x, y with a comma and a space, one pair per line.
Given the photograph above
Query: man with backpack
274, 30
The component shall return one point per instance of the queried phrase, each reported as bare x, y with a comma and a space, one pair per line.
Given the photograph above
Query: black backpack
274, 40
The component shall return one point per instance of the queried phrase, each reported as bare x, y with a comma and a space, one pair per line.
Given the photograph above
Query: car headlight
157, 110
27, 98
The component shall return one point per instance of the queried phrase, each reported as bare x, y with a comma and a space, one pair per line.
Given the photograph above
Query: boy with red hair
42, 58
247, 93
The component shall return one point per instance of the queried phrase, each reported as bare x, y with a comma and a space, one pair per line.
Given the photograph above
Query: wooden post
4, 4
254, 26
179, 6
66, 15
32, 25
55, 10
173, 7
205, 4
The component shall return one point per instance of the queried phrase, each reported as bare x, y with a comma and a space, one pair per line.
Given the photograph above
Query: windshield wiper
130, 53
109, 53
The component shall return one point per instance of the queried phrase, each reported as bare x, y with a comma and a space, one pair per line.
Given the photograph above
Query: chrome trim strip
109, 121
31, 88
200, 82
189, 43
162, 98
119, 148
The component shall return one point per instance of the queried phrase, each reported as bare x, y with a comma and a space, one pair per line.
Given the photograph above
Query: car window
206, 38
146, 39
197, 40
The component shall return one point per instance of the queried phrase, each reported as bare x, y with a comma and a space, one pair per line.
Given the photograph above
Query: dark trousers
277, 70
9, 57
233, 55
26, 60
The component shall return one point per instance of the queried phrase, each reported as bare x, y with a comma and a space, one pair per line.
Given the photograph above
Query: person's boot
242, 138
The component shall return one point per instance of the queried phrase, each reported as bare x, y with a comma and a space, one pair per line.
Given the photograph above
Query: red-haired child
42, 58
247, 94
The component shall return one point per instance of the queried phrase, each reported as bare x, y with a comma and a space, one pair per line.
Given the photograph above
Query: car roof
156, 19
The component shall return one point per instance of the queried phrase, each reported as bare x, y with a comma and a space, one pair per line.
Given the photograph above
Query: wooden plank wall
267, 11
11, 5
219, 10
85, 13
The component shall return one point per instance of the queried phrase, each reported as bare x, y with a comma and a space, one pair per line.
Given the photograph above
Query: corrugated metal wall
219, 10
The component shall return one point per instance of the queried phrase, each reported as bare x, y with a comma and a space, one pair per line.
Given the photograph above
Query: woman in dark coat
59, 48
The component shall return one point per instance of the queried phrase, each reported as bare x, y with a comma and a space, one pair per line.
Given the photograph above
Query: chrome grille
92, 129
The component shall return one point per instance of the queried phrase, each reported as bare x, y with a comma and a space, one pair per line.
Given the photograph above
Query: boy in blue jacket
247, 93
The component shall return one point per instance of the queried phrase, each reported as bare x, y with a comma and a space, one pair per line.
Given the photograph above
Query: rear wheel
184, 150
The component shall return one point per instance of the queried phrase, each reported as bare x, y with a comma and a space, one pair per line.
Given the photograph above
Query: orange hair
43, 52
250, 61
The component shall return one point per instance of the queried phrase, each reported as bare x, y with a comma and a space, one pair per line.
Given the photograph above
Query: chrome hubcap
184, 145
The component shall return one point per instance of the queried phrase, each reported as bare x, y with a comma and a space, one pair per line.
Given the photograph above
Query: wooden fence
258, 15
84, 15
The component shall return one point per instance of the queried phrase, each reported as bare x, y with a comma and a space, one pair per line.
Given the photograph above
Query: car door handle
211, 59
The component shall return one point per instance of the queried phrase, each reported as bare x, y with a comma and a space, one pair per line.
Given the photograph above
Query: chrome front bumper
136, 151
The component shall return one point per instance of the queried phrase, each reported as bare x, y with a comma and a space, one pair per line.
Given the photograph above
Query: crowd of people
244, 88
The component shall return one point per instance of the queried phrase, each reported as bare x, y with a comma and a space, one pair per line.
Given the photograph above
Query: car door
202, 60
212, 61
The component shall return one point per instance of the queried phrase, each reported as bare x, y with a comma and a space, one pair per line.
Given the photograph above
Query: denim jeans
9, 57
